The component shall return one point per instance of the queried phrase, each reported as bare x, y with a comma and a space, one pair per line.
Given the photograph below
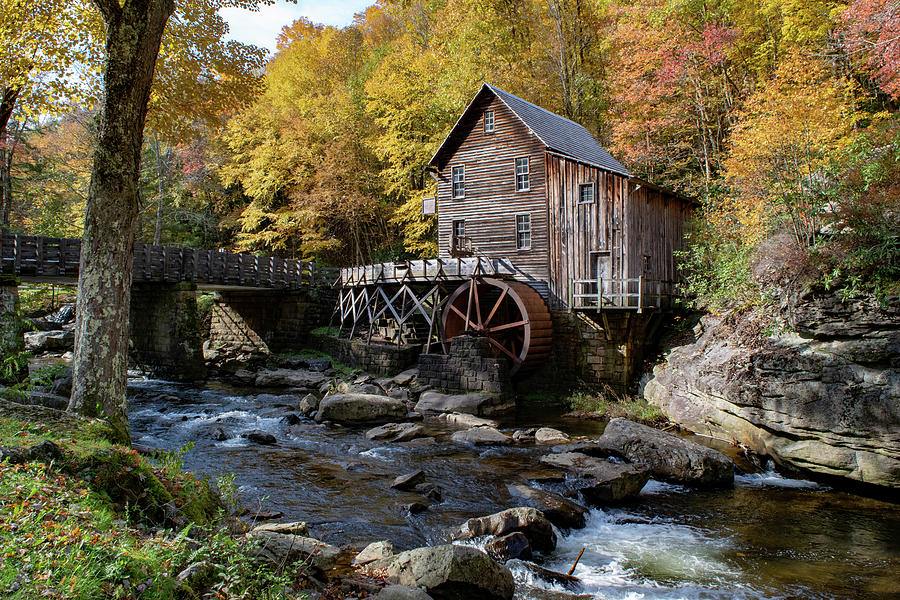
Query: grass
327, 331
607, 404
104, 522
341, 369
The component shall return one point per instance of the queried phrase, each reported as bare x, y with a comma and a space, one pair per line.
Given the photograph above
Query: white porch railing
629, 294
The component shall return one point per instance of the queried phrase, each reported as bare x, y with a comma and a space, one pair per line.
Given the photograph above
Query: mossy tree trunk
133, 34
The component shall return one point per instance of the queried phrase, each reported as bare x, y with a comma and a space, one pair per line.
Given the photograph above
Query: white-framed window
459, 228
523, 231
459, 181
586, 193
489, 121
523, 181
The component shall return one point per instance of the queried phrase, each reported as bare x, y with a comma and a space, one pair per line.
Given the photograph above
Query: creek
767, 537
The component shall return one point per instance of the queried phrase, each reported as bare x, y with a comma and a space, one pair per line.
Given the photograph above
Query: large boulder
526, 520
482, 405
824, 397
560, 511
290, 378
452, 572
285, 549
601, 481
360, 408
668, 456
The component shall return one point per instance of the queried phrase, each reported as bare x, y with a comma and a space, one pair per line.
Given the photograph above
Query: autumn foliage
765, 111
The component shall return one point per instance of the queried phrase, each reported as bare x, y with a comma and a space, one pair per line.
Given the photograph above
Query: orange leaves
872, 29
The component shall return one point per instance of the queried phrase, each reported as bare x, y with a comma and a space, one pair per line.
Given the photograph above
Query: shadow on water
768, 537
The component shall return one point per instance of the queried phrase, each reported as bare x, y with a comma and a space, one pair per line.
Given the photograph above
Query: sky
262, 27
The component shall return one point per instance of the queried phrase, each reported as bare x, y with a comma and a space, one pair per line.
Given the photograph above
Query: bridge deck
427, 270
33, 258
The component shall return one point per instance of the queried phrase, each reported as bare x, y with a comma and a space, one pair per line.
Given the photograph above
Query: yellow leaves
783, 140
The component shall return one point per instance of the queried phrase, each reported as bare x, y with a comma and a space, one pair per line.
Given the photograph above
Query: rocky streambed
386, 462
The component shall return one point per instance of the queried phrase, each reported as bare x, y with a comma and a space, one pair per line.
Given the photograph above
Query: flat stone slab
290, 378
482, 405
396, 432
464, 421
408, 481
285, 549
294, 528
601, 481
560, 511
481, 436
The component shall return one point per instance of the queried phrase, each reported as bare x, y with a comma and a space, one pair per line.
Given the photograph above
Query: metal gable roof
560, 134
557, 133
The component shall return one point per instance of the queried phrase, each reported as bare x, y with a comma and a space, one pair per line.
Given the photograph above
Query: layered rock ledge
823, 397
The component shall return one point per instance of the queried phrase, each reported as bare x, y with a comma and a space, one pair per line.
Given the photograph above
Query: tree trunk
133, 34
8, 97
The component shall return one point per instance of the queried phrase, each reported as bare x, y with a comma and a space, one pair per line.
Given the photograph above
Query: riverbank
334, 485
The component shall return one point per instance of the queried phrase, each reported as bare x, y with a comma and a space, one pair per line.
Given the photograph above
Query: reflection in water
768, 537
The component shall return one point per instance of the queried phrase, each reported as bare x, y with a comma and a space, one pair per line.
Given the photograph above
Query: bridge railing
58, 259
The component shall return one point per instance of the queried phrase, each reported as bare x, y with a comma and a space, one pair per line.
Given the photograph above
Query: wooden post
599, 292
640, 293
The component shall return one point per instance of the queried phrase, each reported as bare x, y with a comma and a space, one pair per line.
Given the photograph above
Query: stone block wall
470, 367
595, 348
378, 358
260, 322
165, 331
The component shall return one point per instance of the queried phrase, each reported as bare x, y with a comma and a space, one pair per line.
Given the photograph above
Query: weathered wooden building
548, 247
517, 181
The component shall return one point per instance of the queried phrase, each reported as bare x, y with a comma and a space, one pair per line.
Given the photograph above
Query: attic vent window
459, 182
586, 193
522, 180
489, 121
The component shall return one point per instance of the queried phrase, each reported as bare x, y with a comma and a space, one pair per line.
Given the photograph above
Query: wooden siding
491, 201
621, 226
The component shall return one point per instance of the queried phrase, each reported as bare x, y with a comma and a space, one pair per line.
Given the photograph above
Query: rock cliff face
824, 398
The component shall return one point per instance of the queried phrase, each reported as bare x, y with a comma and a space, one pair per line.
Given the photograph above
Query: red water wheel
512, 315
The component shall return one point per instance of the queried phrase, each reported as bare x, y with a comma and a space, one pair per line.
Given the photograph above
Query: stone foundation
595, 348
262, 322
165, 331
378, 358
470, 367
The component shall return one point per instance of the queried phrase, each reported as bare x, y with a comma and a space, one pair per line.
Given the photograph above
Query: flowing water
768, 537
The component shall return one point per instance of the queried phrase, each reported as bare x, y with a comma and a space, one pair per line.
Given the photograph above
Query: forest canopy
777, 116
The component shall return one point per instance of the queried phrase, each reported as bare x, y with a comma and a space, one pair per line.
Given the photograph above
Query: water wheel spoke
477, 306
505, 350
496, 306
505, 326
461, 315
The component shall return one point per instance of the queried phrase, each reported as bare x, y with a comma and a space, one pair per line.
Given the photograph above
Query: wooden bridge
56, 260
